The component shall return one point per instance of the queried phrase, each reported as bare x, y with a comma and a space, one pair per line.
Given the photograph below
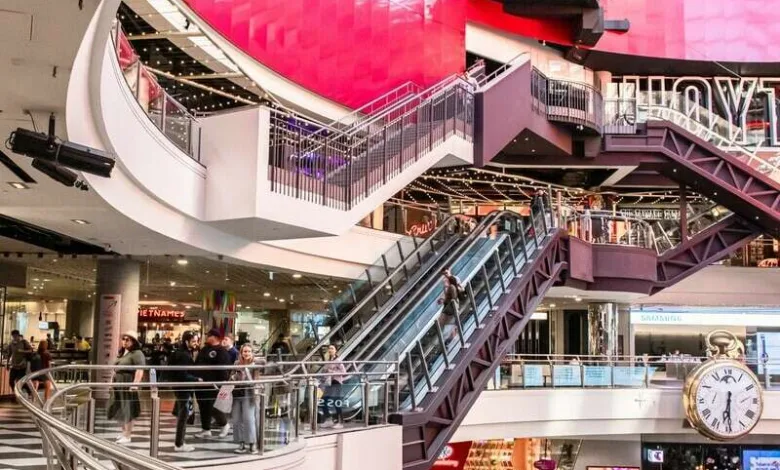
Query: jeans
332, 397
182, 414
206, 399
244, 419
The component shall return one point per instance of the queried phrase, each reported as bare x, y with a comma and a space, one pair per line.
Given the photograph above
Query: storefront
164, 322
665, 330
516, 454
35, 320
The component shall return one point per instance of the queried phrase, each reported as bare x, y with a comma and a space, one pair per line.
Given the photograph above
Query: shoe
252, 450
240, 450
183, 448
327, 424
204, 434
123, 440
338, 426
224, 431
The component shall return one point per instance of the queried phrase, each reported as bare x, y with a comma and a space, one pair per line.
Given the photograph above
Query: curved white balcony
223, 204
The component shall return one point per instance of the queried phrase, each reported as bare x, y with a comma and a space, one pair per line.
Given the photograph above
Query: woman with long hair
125, 405
333, 393
41, 360
244, 405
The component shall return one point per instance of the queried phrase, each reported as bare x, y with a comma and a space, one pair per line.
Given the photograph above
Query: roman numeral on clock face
706, 413
750, 387
750, 414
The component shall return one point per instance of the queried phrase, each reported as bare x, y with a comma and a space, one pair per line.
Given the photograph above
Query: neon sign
159, 314
423, 228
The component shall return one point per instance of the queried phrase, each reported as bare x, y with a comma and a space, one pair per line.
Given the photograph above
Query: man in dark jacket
183, 355
212, 354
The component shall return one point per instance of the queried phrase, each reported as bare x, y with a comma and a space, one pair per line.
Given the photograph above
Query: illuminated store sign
744, 105
147, 314
713, 318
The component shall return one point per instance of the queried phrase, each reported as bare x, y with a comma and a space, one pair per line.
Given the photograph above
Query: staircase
341, 167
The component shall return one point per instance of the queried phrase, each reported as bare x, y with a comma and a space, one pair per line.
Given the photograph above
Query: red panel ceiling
491, 13
723, 30
350, 51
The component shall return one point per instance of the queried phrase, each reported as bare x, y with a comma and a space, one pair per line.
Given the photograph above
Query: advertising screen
754, 459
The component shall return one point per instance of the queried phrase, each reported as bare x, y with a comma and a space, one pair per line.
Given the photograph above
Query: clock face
728, 401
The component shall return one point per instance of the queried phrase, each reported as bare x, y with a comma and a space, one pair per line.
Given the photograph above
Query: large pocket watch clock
722, 397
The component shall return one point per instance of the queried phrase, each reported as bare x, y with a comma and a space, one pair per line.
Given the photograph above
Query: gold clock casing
691, 387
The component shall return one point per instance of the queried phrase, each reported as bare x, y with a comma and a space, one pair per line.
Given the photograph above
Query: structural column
116, 307
603, 329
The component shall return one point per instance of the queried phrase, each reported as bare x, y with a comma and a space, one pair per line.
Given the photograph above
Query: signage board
630, 376
453, 456
597, 376
533, 375
108, 342
655, 455
158, 314
760, 459
705, 318
567, 376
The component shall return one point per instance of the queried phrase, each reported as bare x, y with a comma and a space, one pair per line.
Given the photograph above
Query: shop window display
707, 456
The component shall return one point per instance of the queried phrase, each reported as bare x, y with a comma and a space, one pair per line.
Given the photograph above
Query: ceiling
177, 280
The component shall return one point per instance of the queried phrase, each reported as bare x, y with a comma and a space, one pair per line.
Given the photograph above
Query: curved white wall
587, 412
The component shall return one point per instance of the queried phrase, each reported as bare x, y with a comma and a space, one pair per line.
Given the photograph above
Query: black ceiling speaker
47, 147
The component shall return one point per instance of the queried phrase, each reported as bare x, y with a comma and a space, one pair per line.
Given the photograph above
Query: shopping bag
224, 402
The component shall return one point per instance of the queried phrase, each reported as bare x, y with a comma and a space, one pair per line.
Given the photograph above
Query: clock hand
727, 413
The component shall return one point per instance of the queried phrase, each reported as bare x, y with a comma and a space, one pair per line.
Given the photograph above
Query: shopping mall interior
390, 234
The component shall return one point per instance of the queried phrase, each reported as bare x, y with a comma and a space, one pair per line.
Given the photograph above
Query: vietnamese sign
155, 313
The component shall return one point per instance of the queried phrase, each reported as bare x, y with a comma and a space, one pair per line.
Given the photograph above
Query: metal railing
490, 262
611, 228
284, 408
622, 116
533, 371
356, 317
167, 114
339, 169
567, 101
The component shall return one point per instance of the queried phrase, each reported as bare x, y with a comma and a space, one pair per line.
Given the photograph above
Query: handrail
66, 439
581, 101
582, 228
488, 222
379, 288
452, 257
509, 64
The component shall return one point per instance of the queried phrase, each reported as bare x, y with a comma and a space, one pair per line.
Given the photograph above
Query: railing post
163, 111
154, 433
384, 155
325, 174
138, 79
260, 397
294, 401
365, 391
444, 126
297, 163
311, 394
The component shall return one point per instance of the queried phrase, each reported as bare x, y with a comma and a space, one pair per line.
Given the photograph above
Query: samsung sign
706, 318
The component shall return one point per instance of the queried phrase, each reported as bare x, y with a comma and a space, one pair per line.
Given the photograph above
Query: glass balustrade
167, 114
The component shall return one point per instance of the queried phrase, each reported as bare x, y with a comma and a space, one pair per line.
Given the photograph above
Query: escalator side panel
709, 170
428, 428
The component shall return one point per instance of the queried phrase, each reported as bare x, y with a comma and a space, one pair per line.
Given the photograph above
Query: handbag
224, 401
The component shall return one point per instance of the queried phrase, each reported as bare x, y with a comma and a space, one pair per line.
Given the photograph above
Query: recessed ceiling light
17, 185
173, 283
266, 294
239, 305
182, 262
552, 305
188, 307
46, 280
281, 300
36, 279
80, 221
324, 301
29, 293
578, 299
297, 276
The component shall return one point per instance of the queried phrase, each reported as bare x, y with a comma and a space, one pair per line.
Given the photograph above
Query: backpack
462, 295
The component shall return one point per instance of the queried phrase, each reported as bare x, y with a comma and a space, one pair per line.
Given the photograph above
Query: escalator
506, 265
384, 286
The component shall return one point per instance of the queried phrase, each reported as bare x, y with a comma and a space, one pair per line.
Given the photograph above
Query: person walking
230, 347
41, 360
19, 352
333, 389
243, 415
183, 356
125, 403
212, 354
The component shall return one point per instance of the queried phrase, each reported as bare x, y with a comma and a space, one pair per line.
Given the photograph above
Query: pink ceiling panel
350, 51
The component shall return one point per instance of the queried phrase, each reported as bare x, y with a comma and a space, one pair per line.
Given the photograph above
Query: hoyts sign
154, 313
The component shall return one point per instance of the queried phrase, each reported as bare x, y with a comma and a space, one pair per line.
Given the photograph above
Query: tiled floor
21, 447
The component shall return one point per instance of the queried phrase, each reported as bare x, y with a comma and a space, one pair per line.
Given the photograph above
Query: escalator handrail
452, 259
378, 288
423, 331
